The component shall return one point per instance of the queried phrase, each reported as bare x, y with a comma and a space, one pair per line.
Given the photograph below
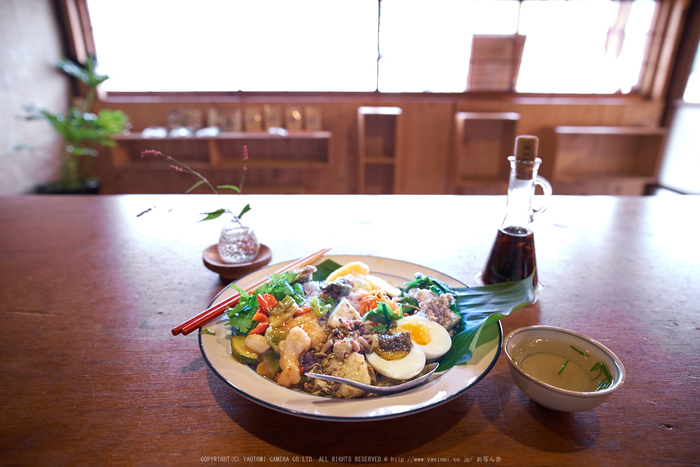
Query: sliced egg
401, 369
427, 335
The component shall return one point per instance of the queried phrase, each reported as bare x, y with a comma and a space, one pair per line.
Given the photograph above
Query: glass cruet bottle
512, 256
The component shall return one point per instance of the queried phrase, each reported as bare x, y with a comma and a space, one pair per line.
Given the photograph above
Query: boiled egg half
427, 335
402, 368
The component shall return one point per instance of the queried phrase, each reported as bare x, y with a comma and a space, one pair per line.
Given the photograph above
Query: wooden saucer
213, 261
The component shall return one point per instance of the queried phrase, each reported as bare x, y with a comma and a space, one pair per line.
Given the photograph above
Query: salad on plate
342, 320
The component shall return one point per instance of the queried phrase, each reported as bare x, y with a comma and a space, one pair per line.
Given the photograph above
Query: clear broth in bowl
556, 363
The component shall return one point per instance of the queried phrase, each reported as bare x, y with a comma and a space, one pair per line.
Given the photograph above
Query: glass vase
238, 243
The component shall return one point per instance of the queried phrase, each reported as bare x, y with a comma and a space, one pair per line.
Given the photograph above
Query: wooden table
91, 375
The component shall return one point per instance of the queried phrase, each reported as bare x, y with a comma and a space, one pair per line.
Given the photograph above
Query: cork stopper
525, 151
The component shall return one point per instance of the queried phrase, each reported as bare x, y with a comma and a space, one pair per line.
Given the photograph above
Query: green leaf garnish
240, 317
479, 307
606, 382
280, 285
383, 315
207, 331
324, 270
426, 282
579, 351
563, 366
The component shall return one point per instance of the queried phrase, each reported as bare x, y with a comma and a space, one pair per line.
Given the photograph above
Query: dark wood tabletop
90, 287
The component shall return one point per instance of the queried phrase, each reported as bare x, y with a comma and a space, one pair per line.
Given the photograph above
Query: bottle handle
547, 192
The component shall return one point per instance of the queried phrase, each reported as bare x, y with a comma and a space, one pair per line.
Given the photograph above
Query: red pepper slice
263, 323
303, 310
270, 299
266, 302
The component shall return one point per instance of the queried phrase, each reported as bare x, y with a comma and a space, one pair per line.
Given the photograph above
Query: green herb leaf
579, 351
426, 282
241, 316
324, 270
280, 286
207, 331
212, 215
479, 307
383, 315
606, 382
563, 366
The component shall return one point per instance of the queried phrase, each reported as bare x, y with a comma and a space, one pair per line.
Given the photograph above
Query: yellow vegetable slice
357, 268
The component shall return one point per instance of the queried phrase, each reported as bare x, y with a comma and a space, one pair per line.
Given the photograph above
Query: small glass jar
238, 243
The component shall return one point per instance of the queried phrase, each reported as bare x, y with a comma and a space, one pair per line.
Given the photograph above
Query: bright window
692, 89
576, 46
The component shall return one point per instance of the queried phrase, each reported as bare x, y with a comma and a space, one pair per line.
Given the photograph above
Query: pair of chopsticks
215, 310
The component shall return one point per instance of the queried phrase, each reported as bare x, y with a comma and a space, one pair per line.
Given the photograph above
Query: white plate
216, 350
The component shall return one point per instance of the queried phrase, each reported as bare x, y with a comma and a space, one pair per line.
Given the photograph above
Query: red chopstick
215, 310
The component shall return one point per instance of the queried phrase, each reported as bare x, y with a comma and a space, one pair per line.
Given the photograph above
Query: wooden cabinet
606, 160
481, 145
379, 131
273, 159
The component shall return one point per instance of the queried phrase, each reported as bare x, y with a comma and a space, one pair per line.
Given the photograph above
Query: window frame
668, 27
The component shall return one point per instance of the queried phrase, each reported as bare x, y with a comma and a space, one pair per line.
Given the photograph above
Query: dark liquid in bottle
512, 257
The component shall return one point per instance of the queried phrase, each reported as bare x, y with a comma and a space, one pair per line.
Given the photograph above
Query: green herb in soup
561, 365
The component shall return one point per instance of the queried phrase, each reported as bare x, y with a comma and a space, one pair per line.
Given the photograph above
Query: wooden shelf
481, 145
300, 150
277, 164
606, 160
379, 133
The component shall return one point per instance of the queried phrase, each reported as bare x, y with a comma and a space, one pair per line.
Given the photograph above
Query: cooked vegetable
241, 352
269, 365
256, 343
282, 311
319, 308
274, 337
266, 301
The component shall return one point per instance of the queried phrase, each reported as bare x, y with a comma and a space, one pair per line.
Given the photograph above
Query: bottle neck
519, 213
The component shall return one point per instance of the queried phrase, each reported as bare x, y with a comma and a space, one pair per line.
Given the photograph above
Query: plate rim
321, 417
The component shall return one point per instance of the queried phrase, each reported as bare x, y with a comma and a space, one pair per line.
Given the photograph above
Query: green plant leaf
479, 307
212, 215
200, 182
245, 209
230, 187
86, 74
